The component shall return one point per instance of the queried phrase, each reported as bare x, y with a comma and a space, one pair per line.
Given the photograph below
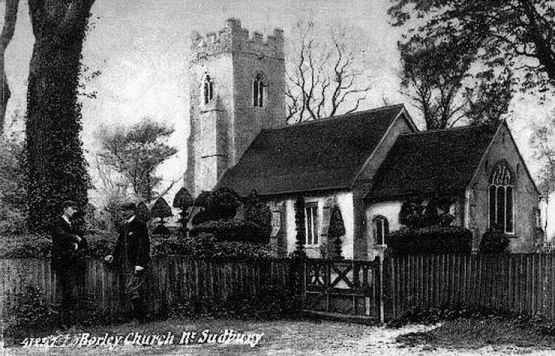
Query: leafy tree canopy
136, 153
503, 33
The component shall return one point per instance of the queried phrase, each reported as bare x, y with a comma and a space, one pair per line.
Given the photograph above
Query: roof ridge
327, 119
458, 128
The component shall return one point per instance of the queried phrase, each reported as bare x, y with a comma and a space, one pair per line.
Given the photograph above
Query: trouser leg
134, 290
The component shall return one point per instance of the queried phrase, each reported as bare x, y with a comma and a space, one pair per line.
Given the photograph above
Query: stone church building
366, 163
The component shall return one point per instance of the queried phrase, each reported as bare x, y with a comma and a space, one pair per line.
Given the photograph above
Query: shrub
25, 246
259, 213
207, 246
436, 239
31, 314
219, 204
494, 241
233, 230
416, 214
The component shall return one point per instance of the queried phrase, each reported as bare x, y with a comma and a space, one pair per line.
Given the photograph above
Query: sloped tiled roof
442, 161
314, 155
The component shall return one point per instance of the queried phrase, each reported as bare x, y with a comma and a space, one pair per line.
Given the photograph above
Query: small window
381, 230
208, 89
258, 89
311, 225
537, 217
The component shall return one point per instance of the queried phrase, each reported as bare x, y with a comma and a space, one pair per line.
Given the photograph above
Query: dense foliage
219, 217
516, 34
430, 240
206, 245
233, 230
54, 163
419, 213
494, 241
135, 153
217, 205
183, 201
335, 231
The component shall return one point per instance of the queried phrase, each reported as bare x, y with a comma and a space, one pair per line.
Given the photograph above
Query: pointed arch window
381, 229
258, 90
501, 202
207, 89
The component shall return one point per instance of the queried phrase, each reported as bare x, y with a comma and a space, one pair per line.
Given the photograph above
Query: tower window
208, 89
501, 198
258, 88
381, 229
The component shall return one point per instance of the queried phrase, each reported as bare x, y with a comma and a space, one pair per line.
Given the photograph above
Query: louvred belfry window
501, 201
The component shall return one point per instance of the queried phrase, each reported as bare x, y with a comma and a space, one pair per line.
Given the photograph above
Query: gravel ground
279, 338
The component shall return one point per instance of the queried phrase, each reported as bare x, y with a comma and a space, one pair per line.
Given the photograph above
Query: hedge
494, 241
201, 246
430, 240
233, 230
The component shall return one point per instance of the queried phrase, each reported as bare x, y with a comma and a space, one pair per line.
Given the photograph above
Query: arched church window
258, 89
381, 229
501, 200
207, 89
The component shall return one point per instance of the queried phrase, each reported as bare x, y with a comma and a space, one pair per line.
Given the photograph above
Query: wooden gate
344, 287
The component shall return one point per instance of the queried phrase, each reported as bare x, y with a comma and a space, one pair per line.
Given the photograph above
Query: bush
219, 204
430, 240
207, 246
233, 230
31, 314
494, 241
259, 213
25, 246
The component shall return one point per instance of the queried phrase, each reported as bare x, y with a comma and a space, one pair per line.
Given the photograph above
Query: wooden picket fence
171, 280
521, 283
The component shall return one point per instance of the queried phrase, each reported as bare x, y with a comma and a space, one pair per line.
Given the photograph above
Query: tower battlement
234, 38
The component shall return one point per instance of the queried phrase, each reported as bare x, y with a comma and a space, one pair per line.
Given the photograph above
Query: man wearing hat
67, 248
132, 256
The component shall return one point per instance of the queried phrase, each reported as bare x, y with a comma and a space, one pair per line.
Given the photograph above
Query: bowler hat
68, 203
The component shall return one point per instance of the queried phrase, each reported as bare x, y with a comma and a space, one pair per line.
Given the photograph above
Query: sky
141, 48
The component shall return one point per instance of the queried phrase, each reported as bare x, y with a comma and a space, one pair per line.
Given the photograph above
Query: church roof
442, 161
315, 155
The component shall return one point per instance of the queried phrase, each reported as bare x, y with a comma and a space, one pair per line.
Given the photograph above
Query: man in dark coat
132, 256
67, 261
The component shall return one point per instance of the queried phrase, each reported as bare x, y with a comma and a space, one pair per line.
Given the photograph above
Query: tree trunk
10, 18
56, 167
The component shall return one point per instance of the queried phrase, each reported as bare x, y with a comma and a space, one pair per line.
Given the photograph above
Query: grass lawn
472, 334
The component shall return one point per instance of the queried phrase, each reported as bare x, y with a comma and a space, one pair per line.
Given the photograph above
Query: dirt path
280, 338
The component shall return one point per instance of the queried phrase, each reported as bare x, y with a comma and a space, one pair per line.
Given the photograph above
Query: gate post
380, 272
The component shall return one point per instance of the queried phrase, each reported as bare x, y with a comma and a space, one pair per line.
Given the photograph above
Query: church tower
237, 89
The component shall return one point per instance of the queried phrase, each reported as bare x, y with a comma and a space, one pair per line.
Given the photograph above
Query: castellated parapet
234, 38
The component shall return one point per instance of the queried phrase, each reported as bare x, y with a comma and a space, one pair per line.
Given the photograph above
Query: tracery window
501, 200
